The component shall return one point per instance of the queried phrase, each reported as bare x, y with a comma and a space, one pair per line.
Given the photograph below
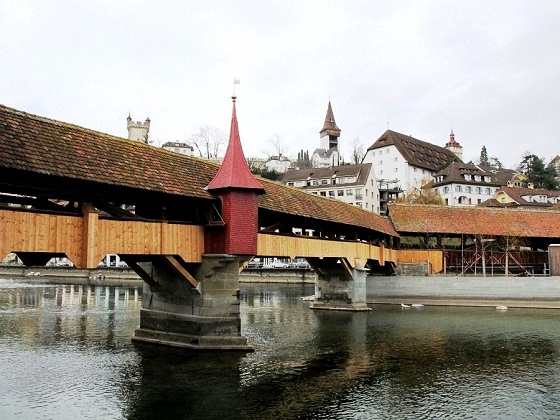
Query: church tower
454, 147
137, 130
330, 132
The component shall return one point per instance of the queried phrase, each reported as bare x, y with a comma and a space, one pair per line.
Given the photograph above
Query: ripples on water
65, 352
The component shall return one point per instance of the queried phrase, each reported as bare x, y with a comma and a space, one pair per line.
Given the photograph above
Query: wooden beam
176, 265
139, 270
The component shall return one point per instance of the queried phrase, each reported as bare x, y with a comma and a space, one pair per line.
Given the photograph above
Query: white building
466, 184
280, 164
353, 184
407, 162
183, 148
328, 154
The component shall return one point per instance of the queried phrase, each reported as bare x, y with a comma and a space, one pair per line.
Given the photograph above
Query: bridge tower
197, 306
238, 190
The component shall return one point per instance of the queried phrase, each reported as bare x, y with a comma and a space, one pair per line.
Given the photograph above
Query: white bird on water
405, 306
502, 308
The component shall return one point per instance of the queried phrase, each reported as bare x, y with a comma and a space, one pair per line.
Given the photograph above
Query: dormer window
467, 177
486, 179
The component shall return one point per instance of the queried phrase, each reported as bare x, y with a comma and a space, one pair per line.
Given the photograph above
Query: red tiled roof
416, 152
474, 220
517, 194
234, 171
43, 146
294, 201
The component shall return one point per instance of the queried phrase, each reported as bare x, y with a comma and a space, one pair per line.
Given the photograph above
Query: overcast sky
488, 69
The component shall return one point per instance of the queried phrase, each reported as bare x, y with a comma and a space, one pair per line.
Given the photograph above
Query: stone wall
453, 287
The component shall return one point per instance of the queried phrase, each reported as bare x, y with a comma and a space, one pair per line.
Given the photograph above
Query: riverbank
113, 276
122, 276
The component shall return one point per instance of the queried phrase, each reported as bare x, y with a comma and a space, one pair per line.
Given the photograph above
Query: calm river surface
65, 353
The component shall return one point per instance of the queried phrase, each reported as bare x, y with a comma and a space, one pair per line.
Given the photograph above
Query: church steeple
330, 132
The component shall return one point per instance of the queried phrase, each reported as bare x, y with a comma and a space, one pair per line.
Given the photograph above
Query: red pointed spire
234, 172
330, 124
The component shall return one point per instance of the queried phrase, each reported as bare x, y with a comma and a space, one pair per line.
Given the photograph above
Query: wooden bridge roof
418, 218
34, 144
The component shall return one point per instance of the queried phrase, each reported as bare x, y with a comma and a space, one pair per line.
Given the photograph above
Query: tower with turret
454, 147
137, 130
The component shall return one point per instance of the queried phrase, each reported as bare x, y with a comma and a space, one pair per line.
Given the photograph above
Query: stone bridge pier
339, 286
205, 317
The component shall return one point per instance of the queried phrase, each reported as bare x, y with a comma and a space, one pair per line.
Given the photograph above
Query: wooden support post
89, 243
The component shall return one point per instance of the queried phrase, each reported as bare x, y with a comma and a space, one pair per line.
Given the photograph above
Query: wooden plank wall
269, 245
433, 256
554, 259
86, 240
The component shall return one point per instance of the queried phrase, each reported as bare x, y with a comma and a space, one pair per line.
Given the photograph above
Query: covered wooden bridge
185, 225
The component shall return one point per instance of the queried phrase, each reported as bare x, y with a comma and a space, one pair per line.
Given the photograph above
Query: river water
65, 353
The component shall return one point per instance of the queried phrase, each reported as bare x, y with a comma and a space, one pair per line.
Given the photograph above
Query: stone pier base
337, 290
174, 313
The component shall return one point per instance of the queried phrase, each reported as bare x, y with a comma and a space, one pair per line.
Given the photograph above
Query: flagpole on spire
235, 82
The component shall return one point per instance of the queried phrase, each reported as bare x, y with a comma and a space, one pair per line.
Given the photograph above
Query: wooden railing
86, 239
271, 245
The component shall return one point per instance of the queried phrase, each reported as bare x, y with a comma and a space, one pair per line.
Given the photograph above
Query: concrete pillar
339, 292
205, 318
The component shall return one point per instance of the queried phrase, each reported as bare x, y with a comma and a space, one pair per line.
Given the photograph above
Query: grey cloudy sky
488, 69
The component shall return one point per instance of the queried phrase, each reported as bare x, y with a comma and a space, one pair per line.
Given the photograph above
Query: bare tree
356, 150
209, 141
279, 148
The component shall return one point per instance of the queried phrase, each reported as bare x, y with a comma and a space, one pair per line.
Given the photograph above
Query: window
446, 190
469, 189
397, 159
396, 169
290, 184
381, 172
487, 179
340, 193
324, 181
331, 193
478, 190
458, 188
380, 162
467, 177
315, 182
349, 192
415, 169
477, 177
359, 194
359, 204
387, 151
488, 191
323, 193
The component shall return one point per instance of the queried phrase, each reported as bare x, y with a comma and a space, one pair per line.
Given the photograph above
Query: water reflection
65, 352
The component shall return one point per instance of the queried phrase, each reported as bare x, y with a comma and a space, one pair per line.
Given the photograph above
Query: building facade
183, 148
407, 163
466, 184
353, 184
